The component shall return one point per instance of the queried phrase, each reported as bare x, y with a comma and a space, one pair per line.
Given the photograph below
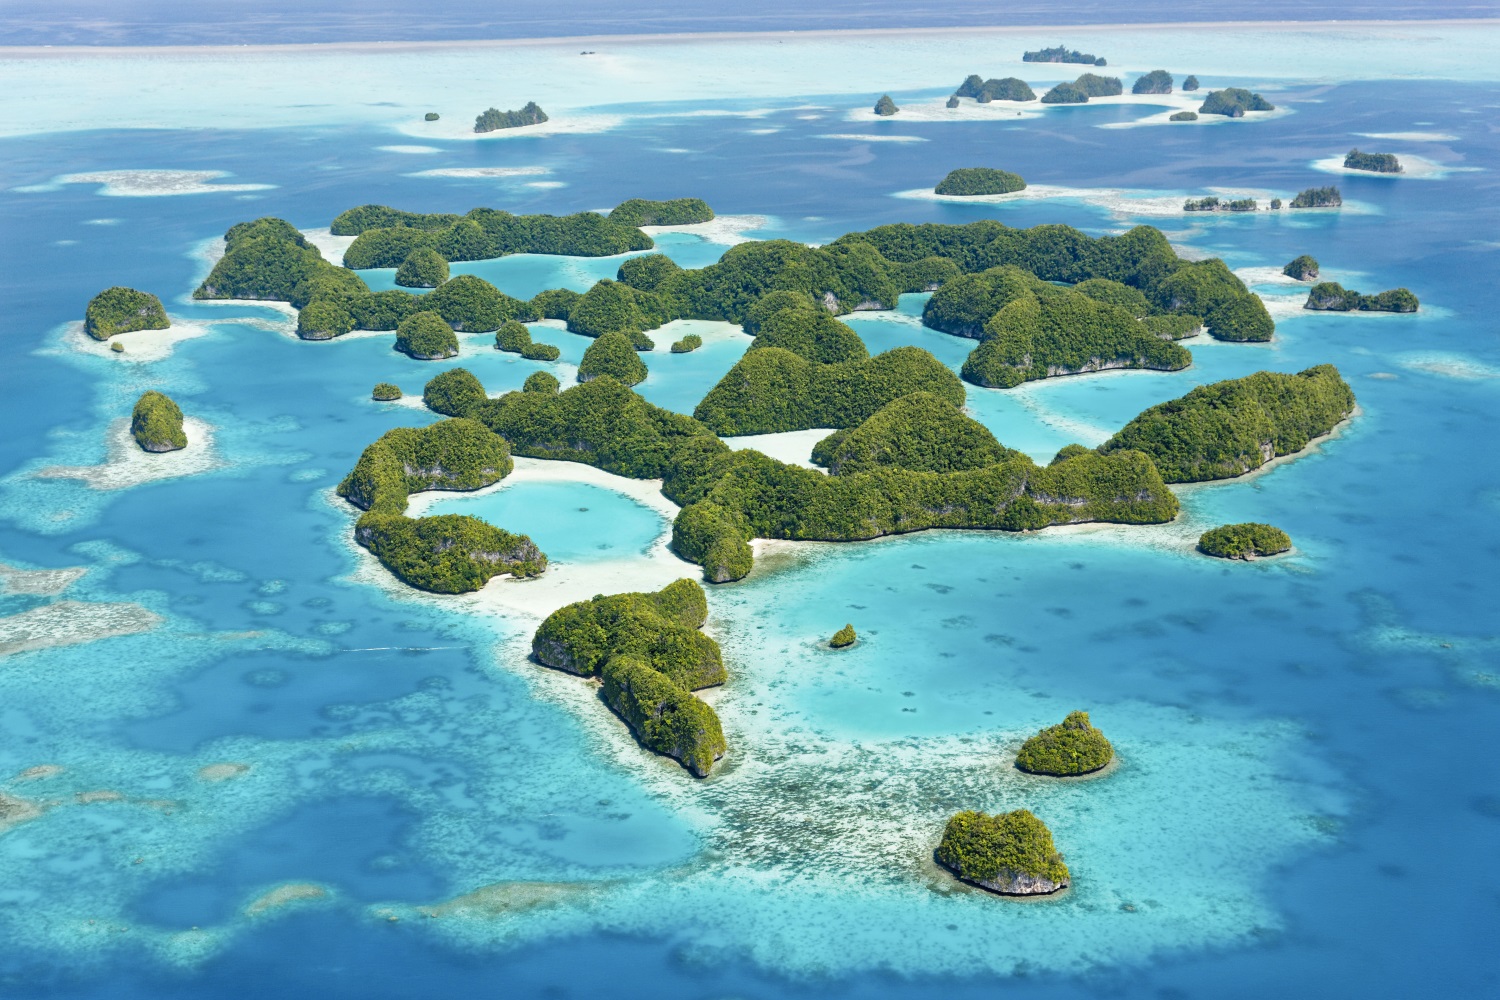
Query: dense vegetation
1008, 852
514, 338
673, 212
1095, 85
156, 423
979, 180
615, 307
385, 236
1233, 102
431, 116
805, 329
1225, 429
1062, 54
1380, 163
1212, 204
984, 91
885, 106
843, 637
1330, 296
664, 716
453, 393
1191, 83
1054, 331
1158, 81
661, 629
123, 310
1069, 748
688, 344
545, 383
1303, 268
494, 119
1066, 93
473, 305
457, 454
385, 392
269, 259
1183, 116
920, 431
426, 337
1209, 289
612, 355
447, 553
424, 267
772, 389
1323, 197
1244, 541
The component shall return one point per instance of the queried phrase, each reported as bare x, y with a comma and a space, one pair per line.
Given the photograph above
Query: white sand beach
127, 465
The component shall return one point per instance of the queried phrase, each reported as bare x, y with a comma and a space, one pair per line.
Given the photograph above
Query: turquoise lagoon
231, 745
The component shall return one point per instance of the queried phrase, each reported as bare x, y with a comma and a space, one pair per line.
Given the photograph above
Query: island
431, 116
426, 337
843, 638
1379, 163
514, 338
1234, 102
617, 307
886, 107
1010, 88
385, 392
1191, 83
1323, 197
1065, 93
494, 119
156, 423
1212, 204
1330, 296
649, 652
1011, 854
1303, 268
1225, 429
424, 267
117, 347
673, 212
1062, 54
1095, 85
1183, 116
1244, 541
612, 355
1071, 748
453, 393
794, 322
972, 181
1158, 81
544, 383
123, 310
952, 102
687, 344
921, 432
1209, 289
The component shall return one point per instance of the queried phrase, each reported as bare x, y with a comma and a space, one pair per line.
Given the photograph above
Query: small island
156, 423
514, 338
673, 212
1323, 197
1303, 268
1330, 296
973, 181
544, 383
123, 310
1062, 54
687, 344
494, 119
453, 393
1183, 116
385, 392
1233, 102
1212, 204
431, 116
1191, 83
665, 717
426, 337
886, 107
613, 355
1065, 93
1071, 748
844, 637
424, 267
1244, 541
1158, 81
1378, 163
1009, 853
1010, 88
1080, 90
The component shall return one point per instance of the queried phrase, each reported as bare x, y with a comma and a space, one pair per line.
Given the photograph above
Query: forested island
1062, 54
1010, 853
425, 336
1233, 102
494, 119
1212, 204
651, 656
672, 212
123, 310
970, 181
385, 392
1158, 81
1320, 197
1303, 268
1080, 90
984, 91
687, 344
156, 423
1183, 116
885, 106
1191, 83
1244, 541
612, 355
843, 638
1330, 296
1071, 748
1379, 163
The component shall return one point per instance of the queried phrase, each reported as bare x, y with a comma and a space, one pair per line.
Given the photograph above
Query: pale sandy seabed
149, 183
129, 466
860, 137
1411, 136
725, 230
38, 582
1448, 365
141, 346
1413, 167
330, 246
412, 150
66, 623
483, 172
792, 447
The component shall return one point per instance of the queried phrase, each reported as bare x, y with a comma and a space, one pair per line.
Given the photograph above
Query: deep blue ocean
1308, 803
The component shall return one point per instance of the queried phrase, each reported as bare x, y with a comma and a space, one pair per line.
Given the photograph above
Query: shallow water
1301, 802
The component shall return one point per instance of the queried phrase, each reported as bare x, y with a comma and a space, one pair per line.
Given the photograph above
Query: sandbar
68, 623
127, 465
727, 230
43, 582
791, 447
